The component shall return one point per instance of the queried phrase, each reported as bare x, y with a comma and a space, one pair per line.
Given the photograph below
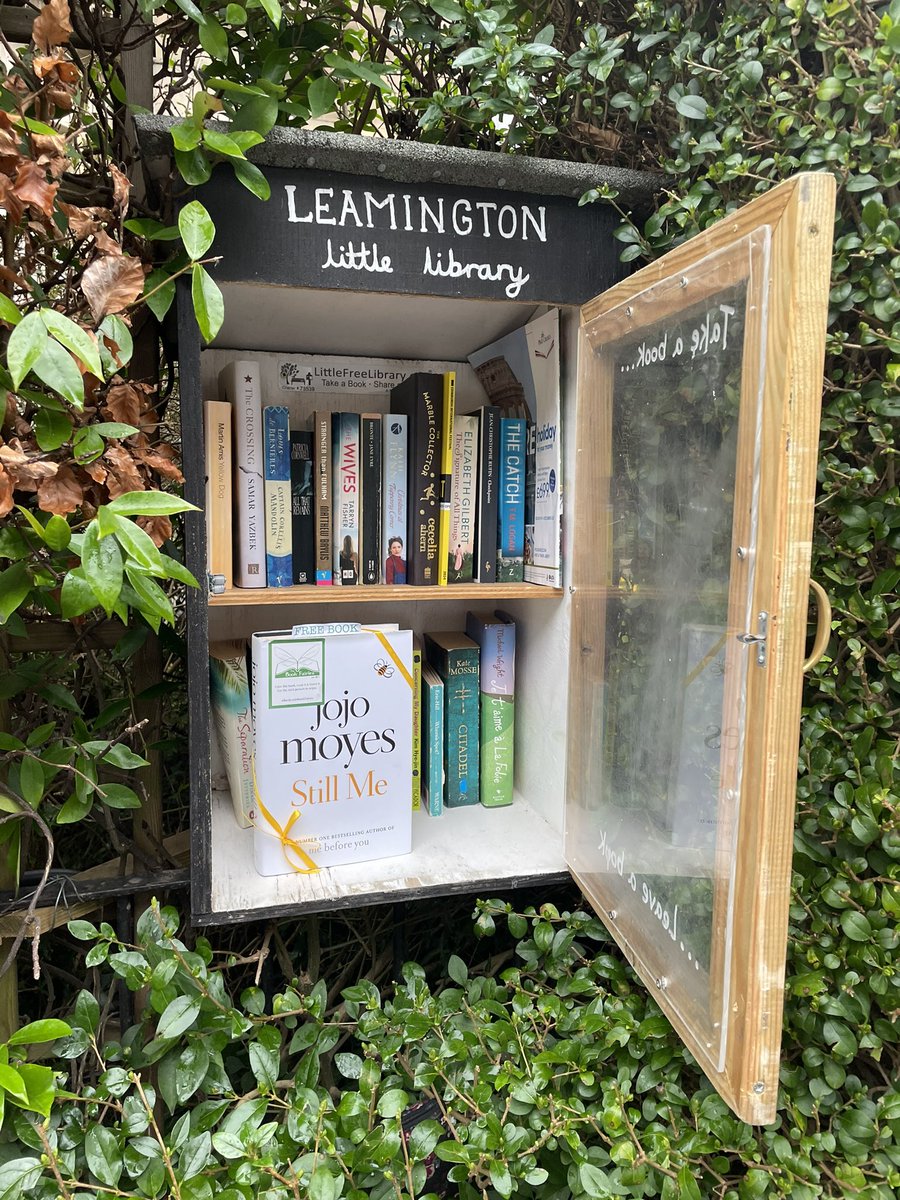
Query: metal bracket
758, 639
216, 584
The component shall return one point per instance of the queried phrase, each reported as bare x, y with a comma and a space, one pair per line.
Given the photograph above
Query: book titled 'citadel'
455, 658
332, 718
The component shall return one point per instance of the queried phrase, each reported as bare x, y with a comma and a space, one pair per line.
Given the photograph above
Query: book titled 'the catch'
332, 756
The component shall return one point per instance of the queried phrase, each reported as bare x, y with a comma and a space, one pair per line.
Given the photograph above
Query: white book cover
230, 705
333, 719
463, 497
394, 430
239, 382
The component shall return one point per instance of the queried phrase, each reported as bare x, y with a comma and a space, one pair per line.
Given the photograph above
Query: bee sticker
385, 670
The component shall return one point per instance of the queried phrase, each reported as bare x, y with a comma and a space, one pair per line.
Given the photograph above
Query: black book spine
487, 529
421, 398
303, 537
370, 537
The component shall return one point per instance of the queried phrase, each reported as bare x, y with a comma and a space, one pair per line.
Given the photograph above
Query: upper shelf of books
379, 593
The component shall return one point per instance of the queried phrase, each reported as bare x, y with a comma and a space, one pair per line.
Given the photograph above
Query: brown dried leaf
124, 475
15, 209
51, 153
97, 471
62, 494
121, 189
60, 95
604, 139
10, 155
162, 459
159, 528
6, 492
105, 244
124, 402
12, 454
29, 476
84, 221
111, 284
52, 26
31, 187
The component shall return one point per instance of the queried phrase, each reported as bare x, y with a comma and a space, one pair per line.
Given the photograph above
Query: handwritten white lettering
362, 258
452, 268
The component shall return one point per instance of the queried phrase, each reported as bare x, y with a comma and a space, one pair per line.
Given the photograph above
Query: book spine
370, 540
420, 397
448, 417
487, 514
458, 668
303, 541
511, 522
417, 726
242, 390
393, 498
432, 742
463, 496
496, 638
322, 505
230, 707
217, 416
345, 472
277, 494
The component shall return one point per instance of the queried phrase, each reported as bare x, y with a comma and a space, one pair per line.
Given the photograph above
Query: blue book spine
455, 658
432, 741
277, 495
511, 520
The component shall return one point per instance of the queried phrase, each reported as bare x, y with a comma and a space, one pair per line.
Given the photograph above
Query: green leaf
51, 429
209, 307
120, 756
178, 1016
40, 1085
193, 166
214, 39
448, 9
856, 925
101, 562
186, 137
264, 1064
349, 1065
258, 113
104, 1158
392, 1102
321, 95
222, 143
31, 779
74, 338
159, 292
474, 56
84, 931
688, 1189
152, 599
149, 504
18, 1177
77, 596
57, 369
87, 445
322, 1185
178, 571
457, 970
13, 1083
15, 584
252, 178
75, 809
272, 10
190, 1071
196, 228
594, 1181
235, 14
116, 345
152, 230
117, 795
26, 345
692, 107
9, 311
138, 544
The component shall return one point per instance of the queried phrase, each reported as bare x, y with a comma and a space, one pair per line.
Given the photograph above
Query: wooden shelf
373, 593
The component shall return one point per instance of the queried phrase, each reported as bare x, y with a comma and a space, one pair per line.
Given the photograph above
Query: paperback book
217, 415
393, 497
448, 417
239, 381
511, 522
463, 499
322, 501
420, 399
455, 658
229, 693
370, 474
487, 513
432, 740
345, 473
277, 495
417, 726
303, 536
332, 747
495, 634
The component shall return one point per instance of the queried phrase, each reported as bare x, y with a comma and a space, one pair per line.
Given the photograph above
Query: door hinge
216, 584
758, 639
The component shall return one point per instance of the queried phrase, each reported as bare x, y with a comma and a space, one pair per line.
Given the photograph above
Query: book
463, 499
417, 726
239, 381
277, 495
393, 497
487, 513
370, 475
217, 416
455, 658
345, 508
322, 496
511, 518
495, 634
420, 398
229, 694
303, 537
448, 416
432, 740
332, 748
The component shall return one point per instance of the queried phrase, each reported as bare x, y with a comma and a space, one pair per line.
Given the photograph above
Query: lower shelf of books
460, 851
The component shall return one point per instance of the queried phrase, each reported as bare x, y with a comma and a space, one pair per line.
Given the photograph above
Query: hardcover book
455, 658
332, 748
370, 535
495, 634
239, 381
511, 522
303, 535
345, 473
322, 500
463, 499
448, 417
393, 498
487, 514
277, 495
420, 399
217, 415
432, 740
229, 694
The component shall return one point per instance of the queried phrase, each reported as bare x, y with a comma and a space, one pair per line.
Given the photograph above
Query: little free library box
659, 656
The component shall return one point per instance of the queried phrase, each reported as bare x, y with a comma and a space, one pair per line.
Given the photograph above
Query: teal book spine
511, 521
455, 658
432, 741
495, 634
